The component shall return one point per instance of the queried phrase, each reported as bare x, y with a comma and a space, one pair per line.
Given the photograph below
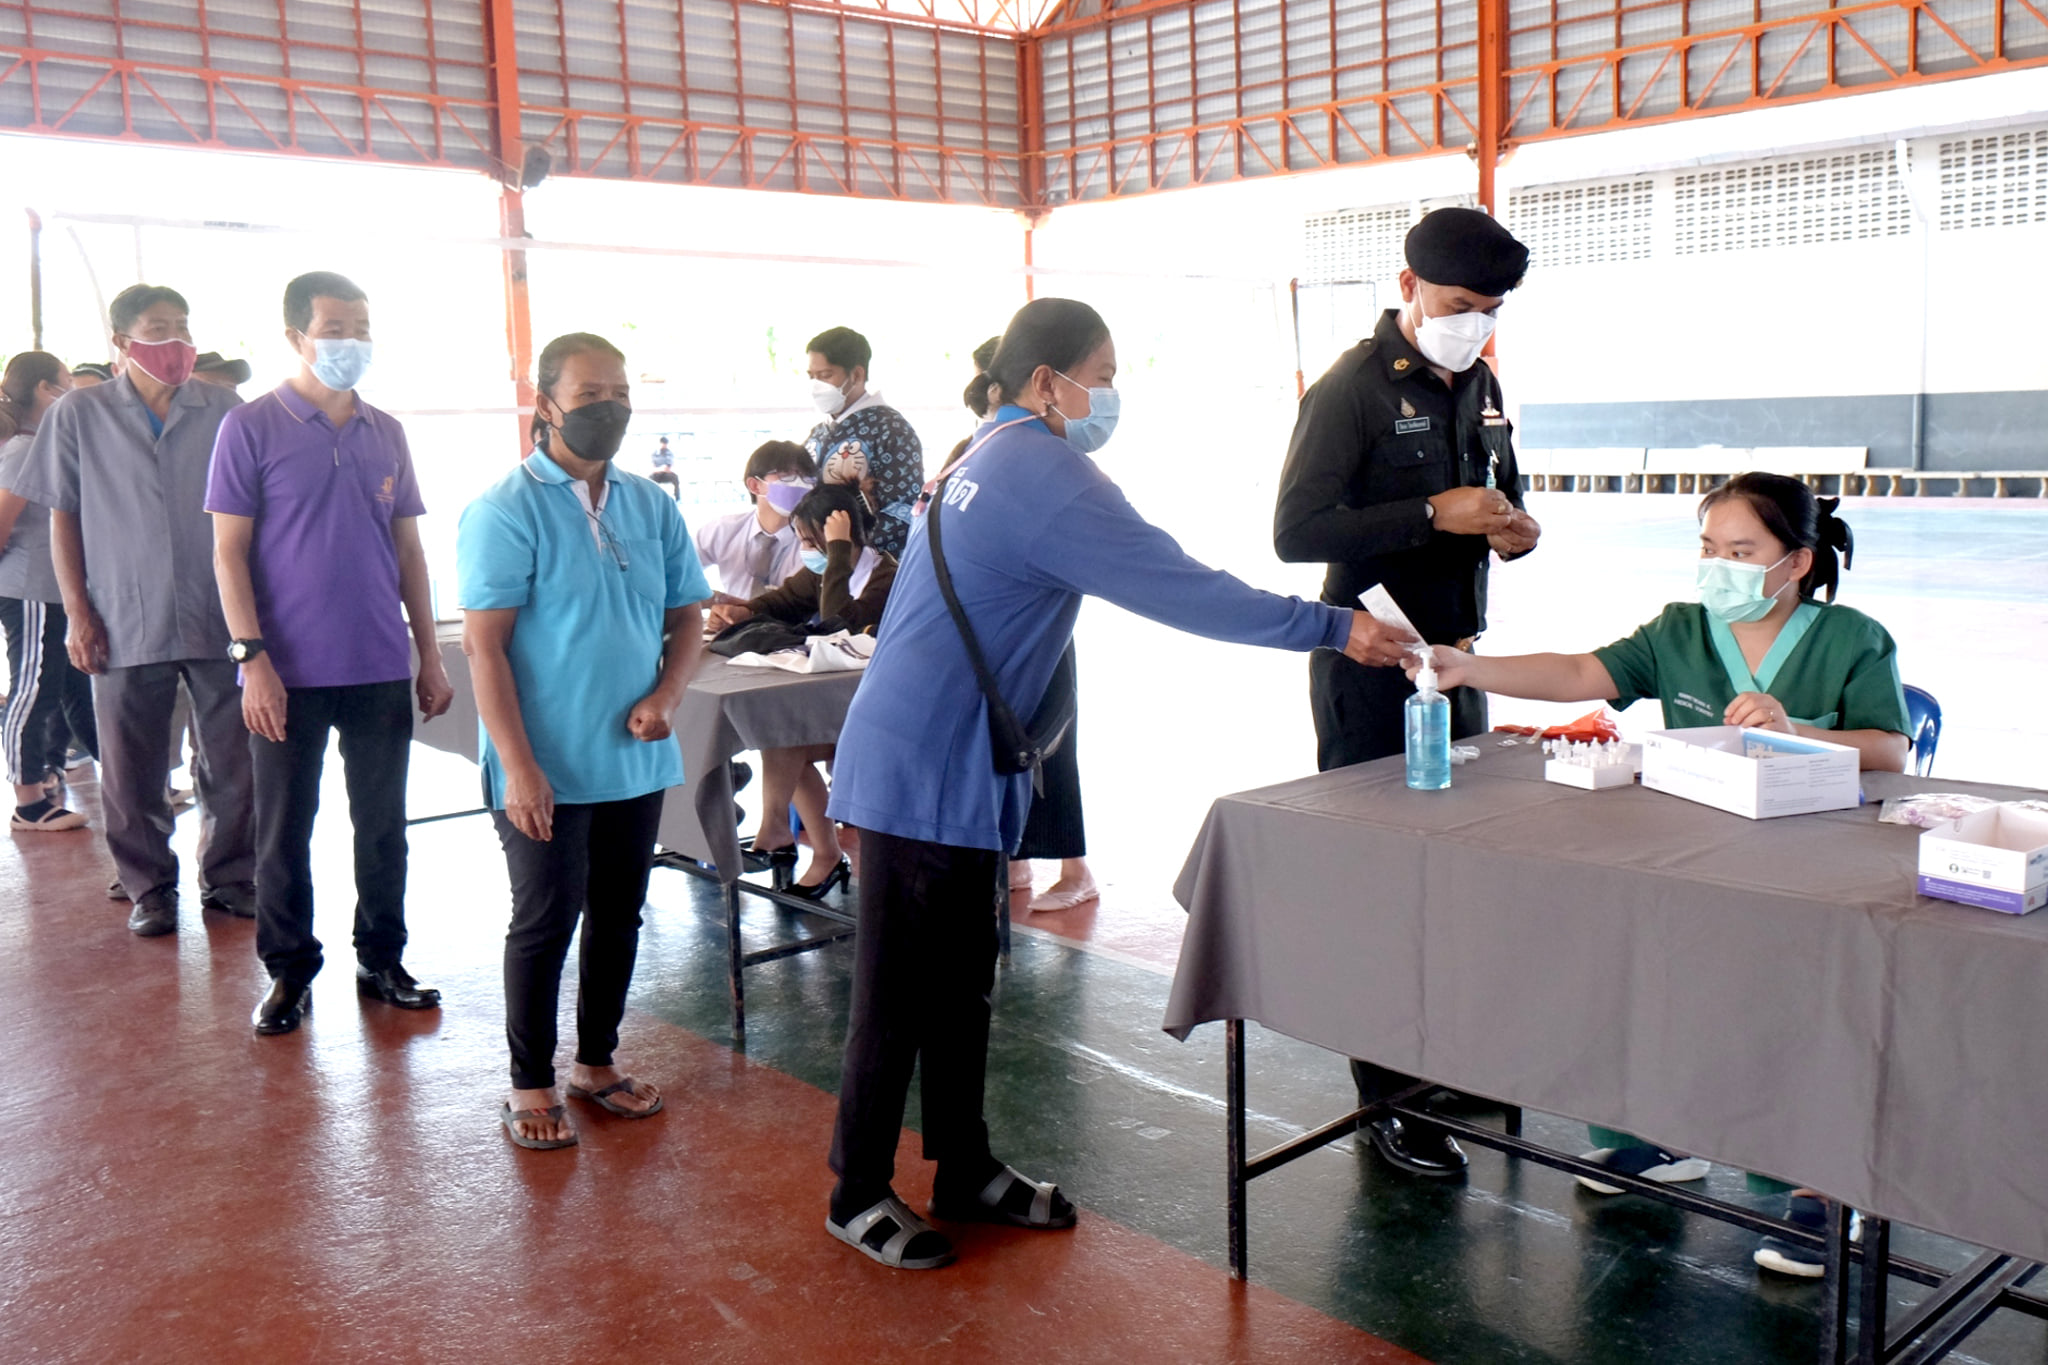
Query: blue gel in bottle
1429, 732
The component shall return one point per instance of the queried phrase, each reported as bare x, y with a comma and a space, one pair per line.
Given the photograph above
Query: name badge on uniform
1403, 427
1490, 416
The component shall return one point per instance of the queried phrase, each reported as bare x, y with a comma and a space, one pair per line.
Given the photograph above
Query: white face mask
827, 398
1454, 340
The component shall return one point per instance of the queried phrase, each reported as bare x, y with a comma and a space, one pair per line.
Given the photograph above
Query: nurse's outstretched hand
1374, 643
1758, 711
1453, 666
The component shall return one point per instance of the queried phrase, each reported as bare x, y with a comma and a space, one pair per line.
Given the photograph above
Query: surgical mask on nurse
1735, 592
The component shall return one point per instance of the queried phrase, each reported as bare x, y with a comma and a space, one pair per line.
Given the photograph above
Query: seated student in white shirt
755, 550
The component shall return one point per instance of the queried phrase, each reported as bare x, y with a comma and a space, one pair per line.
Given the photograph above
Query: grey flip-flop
509, 1116
601, 1098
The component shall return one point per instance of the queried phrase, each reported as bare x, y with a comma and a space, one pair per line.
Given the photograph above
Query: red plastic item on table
1594, 725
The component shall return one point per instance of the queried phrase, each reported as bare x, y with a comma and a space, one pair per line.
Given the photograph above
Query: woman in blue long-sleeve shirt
1030, 526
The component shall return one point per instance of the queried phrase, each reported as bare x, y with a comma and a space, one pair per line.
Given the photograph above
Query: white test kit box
1995, 858
1756, 773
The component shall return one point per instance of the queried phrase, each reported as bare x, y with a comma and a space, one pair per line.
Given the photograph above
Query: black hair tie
1834, 532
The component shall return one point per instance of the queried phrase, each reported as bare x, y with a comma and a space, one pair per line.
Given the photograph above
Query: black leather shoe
238, 900
1417, 1149
394, 986
156, 913
283, 1008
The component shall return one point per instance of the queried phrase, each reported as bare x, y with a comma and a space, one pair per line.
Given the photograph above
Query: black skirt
1053, 828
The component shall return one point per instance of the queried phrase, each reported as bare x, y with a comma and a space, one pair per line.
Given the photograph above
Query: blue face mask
1733, 591
340, 362
815, 561
1090, 433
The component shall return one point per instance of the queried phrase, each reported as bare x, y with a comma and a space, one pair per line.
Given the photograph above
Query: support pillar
504, 57
1493, 95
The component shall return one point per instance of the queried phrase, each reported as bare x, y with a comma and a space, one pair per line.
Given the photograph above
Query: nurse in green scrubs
1758, 649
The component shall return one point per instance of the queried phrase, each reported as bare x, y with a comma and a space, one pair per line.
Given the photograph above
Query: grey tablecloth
1770, 994
727, 710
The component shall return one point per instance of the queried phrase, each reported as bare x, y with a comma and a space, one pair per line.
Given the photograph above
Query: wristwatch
241, 651
1428, 510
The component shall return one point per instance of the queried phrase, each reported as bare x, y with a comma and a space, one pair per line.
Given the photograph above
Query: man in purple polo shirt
316, 548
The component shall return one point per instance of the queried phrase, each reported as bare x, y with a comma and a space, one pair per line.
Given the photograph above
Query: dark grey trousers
133, 707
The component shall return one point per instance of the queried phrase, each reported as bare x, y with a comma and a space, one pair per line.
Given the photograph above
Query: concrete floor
177, 1189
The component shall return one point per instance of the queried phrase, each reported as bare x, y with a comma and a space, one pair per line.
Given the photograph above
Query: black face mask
595, 431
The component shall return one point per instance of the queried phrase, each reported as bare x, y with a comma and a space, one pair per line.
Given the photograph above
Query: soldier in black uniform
1402, 472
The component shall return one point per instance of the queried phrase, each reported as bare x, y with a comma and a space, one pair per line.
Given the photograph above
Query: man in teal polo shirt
579, 586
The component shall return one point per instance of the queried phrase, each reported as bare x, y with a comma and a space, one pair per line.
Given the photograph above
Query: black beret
1466, 249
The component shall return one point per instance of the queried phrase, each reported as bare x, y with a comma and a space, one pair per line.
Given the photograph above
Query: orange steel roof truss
1026, 104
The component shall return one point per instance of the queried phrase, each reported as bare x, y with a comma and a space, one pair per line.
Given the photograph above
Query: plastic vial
1429, 732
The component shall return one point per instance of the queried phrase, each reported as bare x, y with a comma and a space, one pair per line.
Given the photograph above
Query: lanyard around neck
924, 496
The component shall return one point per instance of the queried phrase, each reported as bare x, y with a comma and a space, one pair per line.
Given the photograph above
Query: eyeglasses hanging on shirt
608, 543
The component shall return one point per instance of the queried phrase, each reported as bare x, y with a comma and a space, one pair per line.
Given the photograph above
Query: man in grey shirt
123, 468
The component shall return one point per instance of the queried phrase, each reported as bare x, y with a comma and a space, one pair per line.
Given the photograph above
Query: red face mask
167, 362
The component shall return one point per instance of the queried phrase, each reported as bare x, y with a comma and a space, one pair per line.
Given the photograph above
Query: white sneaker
1651, 1163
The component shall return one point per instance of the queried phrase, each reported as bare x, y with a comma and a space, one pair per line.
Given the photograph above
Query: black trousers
374, 721
1358, 716
1053, 828
595, 869
924, 964
48, 701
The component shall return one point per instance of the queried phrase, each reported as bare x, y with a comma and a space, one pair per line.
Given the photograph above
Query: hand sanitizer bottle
1429, 731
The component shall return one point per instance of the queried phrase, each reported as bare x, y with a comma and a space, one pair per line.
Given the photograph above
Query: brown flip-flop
602, 1099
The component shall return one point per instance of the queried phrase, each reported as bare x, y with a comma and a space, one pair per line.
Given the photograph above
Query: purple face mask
784, 497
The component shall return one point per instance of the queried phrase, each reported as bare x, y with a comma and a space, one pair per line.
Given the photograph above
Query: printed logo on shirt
384, 490
1691, 703
960, 492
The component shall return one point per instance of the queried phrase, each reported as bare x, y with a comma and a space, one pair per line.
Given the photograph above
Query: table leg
1834, 1286
1874, 1296
1233, 1139
733, 963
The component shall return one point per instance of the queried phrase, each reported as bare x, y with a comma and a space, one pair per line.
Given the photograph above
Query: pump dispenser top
1425, 677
